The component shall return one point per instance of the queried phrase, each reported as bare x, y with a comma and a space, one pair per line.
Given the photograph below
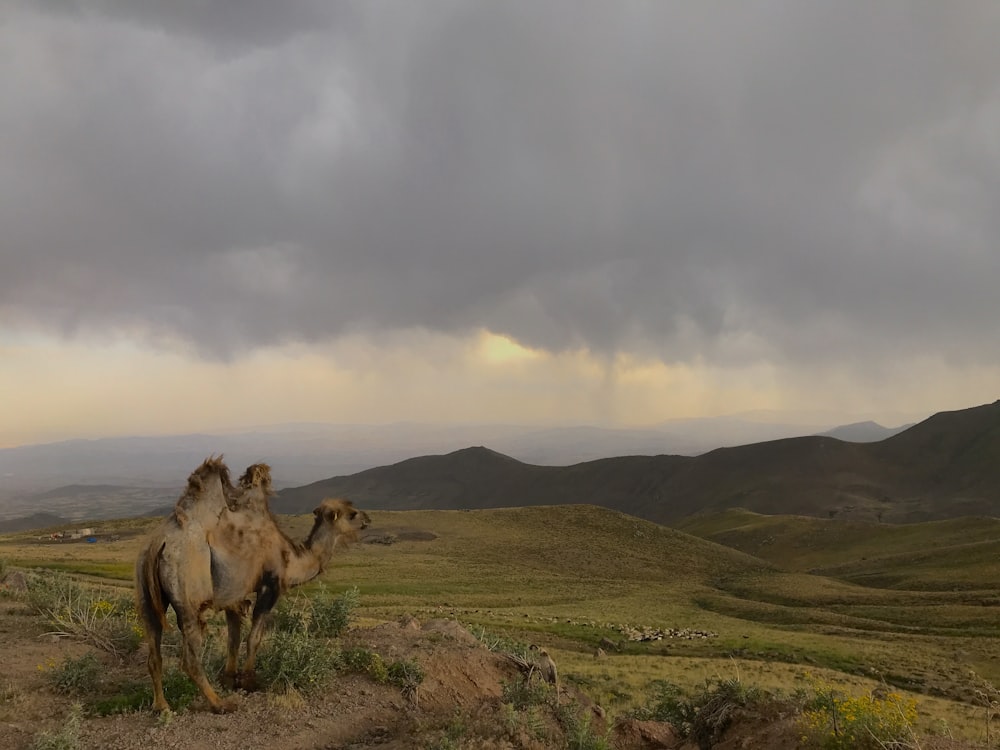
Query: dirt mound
460, 702
632, 734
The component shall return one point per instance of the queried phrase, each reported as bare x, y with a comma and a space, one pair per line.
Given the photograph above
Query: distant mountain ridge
946, 466
864, 432
125, 467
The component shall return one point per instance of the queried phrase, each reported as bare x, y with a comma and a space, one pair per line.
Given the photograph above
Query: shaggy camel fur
220, 545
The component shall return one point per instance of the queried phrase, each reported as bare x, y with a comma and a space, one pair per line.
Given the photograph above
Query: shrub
179, 690
76, 676
330, 617
579, 730
503, 644
134, 696
407, 676
668, 703
705, 716
68, 736
523, 693
366, 662
837, 722
718, 705
320, 616
530, 721
291, 615
293, 660
107, 620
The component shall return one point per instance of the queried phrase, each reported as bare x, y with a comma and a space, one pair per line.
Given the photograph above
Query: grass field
568, 576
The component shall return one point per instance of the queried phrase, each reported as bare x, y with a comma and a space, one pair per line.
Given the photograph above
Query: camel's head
342, 519
256, 475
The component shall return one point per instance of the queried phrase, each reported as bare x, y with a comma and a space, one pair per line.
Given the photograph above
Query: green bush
293, 660
580, 734
523, 693
76, 676
178, 688
291, 615
705, 716
68, 736
406, 675
105, 619
330, 617
529, 721
718, 705
669, 703
366, 662
834, 721
500, 643
320, 616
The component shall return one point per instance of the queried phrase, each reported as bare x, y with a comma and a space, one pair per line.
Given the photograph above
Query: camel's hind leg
234, 622
192, 638
267, 597
154, 636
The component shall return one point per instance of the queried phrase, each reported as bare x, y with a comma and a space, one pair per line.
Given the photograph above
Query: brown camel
220, 545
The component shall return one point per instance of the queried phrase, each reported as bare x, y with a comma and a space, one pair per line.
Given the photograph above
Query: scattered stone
379, 539
16, 581
452, 629
409, 622
643, 634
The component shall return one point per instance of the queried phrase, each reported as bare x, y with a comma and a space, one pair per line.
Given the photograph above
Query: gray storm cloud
783, 181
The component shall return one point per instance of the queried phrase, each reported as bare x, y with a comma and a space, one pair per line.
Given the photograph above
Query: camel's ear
326, 514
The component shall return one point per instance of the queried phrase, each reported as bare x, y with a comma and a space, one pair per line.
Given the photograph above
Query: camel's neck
307, 560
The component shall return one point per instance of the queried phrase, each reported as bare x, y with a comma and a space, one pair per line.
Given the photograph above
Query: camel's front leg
192, 638
234, 621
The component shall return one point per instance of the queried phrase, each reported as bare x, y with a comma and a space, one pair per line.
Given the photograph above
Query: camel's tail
150, 599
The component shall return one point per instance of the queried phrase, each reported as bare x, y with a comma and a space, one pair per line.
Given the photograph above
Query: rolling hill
944, 467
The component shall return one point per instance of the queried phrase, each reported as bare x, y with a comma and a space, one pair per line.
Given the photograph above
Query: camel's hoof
163, 708
224, 706
247, 681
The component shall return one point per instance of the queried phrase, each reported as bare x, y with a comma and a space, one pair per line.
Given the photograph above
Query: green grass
566, 577
115, 571
935, 555
131, 696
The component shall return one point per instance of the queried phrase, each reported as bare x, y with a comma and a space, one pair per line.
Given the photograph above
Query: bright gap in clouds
498, 349
56, 390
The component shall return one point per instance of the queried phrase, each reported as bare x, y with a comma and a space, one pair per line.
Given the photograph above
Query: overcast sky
608, 212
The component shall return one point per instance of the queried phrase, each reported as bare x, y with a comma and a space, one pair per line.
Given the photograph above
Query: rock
409, 622
452, 629
632, 734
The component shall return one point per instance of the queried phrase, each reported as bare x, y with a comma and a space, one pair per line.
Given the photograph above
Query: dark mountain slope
946, 466
482, 478
953, 449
